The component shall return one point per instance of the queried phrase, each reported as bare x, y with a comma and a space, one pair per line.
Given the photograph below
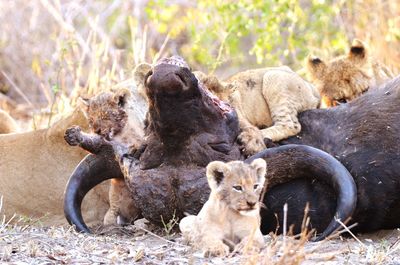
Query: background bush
52, 51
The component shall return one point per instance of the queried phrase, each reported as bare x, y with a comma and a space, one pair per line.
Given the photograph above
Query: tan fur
34, 170
346, 77
111, 115
230, 216
267, 101
7, 124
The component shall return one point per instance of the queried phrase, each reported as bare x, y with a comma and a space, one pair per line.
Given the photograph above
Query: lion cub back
346, 77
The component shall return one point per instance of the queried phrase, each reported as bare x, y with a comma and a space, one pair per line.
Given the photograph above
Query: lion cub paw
73, 136
252, 141
250, 244
217, 248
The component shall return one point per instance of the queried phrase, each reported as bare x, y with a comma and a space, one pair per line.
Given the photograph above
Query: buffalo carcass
187, 128
364, 135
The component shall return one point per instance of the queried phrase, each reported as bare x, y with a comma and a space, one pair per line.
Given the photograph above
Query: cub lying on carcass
267, 102
110, 115
232, 213
34, 169
7, 124
346, 77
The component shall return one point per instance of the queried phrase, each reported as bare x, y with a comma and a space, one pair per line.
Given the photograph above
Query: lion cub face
232, 213
107, 113
343, 78
238, 184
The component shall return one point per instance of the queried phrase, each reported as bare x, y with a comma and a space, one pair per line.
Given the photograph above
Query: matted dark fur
106, 114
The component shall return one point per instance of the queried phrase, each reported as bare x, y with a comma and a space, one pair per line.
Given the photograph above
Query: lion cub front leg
204, 234
250, 136
284, 111
92, 143
254, 241
286, 124
286, 95
213, 245
252, 140
122, 208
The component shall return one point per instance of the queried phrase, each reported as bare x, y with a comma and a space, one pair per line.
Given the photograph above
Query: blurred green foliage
264, 32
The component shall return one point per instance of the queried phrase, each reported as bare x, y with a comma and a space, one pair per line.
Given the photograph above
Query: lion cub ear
121, 96
216, 172
357, 52
260, 166
316, 67
140, 72
213, 84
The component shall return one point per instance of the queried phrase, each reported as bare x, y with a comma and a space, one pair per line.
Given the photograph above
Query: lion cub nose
251, 204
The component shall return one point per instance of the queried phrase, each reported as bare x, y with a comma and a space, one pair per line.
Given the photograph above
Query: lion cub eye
255, 186
237, 188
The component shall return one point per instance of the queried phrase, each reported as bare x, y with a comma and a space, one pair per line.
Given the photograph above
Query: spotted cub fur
346, 77
267, 102
232, 213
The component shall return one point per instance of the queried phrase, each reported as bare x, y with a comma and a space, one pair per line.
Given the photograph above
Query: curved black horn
91, 171
305, 161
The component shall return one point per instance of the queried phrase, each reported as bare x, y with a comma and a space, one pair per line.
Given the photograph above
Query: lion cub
346, 77
267, 101
110, 116
232, 213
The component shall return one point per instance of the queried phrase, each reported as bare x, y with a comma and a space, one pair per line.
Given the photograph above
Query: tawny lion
346, 77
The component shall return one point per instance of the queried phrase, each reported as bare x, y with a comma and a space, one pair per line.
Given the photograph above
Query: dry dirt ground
30, 243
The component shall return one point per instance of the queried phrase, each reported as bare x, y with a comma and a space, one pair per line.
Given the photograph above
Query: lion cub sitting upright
232, 213
346, 77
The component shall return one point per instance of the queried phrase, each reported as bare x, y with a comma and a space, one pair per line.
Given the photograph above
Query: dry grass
69, 54
27, 242
61, 245
75, 54
377, 23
